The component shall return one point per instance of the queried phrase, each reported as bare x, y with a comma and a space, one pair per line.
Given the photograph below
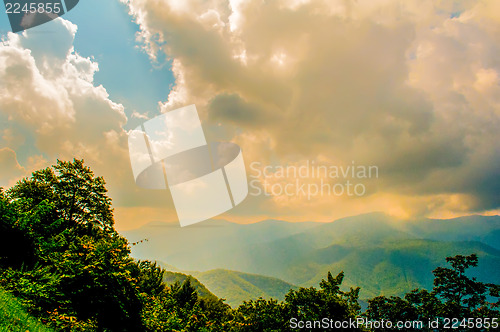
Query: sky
408, 88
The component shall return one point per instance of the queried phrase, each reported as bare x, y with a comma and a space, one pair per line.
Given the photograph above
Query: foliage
170, 278
13, 316
379, 254
454, 295
303, 304
61, 257
179, 308
76, 269
79, 197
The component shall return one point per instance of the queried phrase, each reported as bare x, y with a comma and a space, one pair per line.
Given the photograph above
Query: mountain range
379, 253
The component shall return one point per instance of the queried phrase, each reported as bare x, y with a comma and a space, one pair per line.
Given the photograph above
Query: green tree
80, 197
455, 295
64, 213
74, 270
261, 315
185, 294
150, 278
327, 302
304, 304
461, 294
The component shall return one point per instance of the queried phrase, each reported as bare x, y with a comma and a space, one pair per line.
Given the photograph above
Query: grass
13, 316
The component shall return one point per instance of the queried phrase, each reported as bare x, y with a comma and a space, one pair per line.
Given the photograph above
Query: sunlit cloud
411, 87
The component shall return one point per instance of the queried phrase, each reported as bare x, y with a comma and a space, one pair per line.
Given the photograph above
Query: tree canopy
62, 258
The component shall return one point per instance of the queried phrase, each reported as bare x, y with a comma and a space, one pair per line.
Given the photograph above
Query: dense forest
63, 264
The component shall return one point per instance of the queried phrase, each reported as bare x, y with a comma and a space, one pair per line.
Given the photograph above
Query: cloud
10, 167
50, 91
51, 108
138, 115
233, 109
411, 87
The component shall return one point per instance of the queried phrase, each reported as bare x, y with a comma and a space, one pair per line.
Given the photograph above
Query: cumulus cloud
50, 91
409, 86
51, 108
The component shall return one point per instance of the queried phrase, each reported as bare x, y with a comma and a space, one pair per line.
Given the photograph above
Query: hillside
14, 318
392, 268
237, 287
379, 253
172, 277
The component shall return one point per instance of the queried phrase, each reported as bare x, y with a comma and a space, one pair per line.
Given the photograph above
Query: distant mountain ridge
379, 253
237, 287
233, 286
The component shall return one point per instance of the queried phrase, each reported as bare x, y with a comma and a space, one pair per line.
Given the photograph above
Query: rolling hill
237, 287
381, 254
